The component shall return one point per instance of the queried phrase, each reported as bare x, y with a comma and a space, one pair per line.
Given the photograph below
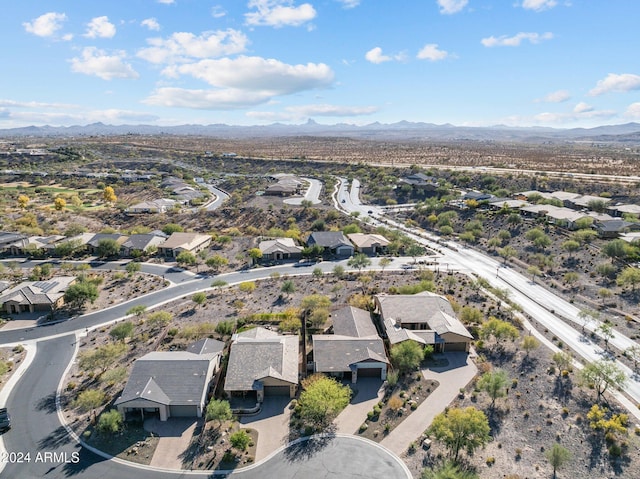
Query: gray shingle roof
354, 322
335, 353
257, 354
170, 378
427, 308
328, 239
38, 292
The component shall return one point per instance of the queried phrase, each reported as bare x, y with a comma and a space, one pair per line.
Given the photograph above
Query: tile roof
38, 292
335, 353
366, 240
354, 322
258, 354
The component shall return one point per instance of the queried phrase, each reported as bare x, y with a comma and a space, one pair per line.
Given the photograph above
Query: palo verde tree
321, 400
407, 355
602, 375
557, 456
461, 429
494, 383
218, 410
359, 262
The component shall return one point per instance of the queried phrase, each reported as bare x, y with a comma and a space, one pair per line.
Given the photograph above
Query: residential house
420, 180
280, 249
354, 350
161, 205
334, 243
425, 317
179, 242
32, 296
587, 201
172, 383
93, 245
8, 239
35, 244
620, 210
477, 196
370, 244
140, 244
613, 228
262, 363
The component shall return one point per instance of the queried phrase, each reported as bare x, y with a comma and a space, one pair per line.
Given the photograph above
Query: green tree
199, 298
338, 271
79, 293
449, 470
288, 287
534, 271
122, 331
316, 301
414, 250
107, 248
498, 329
101, 358
321, 400
89, 400
59, 204
384, 262
216, 262
240, 440
606, 331
570, 246
66, 249
630, 276
602, 375
255, 254
460, 429
557, 456
529, 343
616, 249
137, 310
218, 410
110, 422
159, 319
359, 262
133, 267
494, 384
407, 355
185, 258
507, 252
170, 228
562, 360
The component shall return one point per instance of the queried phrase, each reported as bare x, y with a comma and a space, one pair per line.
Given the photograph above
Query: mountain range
628, 133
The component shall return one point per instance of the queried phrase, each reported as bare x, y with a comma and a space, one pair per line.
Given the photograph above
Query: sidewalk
451, 378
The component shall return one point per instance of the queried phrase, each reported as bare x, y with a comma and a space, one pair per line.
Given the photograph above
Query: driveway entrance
175, 435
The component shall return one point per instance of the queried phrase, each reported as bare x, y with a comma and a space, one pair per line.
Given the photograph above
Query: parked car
5, 420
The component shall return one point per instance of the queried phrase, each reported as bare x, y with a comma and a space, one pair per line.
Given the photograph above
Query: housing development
177, 303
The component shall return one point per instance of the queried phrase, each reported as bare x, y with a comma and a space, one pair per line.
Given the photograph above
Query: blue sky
559, 63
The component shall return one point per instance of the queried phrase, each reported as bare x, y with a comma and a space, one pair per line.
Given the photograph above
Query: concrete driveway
272, 424
451, 378
369, 392
175, 435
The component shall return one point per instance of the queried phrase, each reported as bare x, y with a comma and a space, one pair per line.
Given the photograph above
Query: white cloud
582, 107
301, 112
633, 111
616, 83
279, 13
45, 25
448, 7
226, 99
539, 5
257, 74
432, 53
516, 40
240, 82
218, 11
375, 56
100, 27
349, 3
99, 63
182, 46
4, 103
167, 2
556, 97
150, 23
586, 113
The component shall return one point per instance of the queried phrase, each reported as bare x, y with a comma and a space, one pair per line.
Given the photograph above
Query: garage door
455, 347
183, 411
276, 390
369, 372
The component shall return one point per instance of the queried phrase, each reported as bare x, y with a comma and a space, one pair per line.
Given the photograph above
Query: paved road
221, 197
312, 194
